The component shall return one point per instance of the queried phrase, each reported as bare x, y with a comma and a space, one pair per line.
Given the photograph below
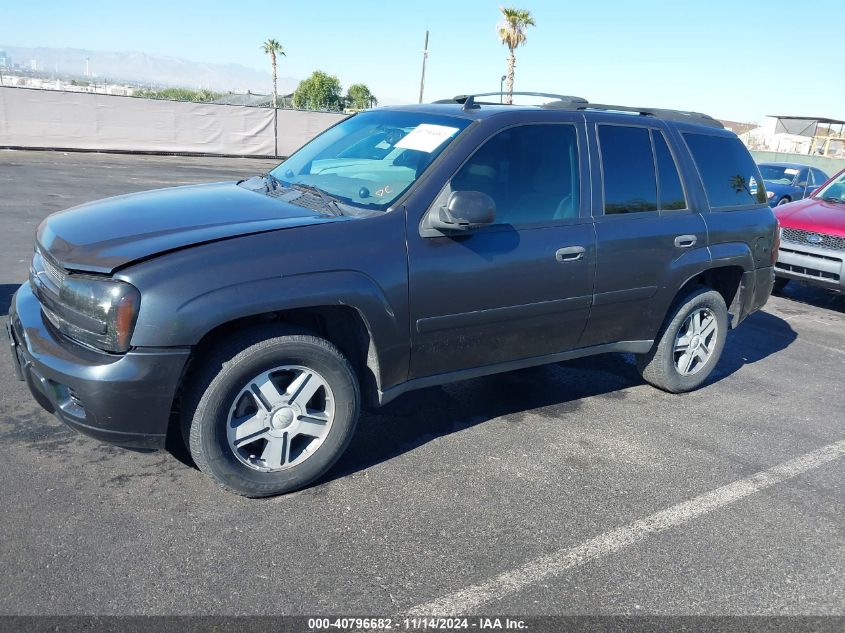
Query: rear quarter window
730, 175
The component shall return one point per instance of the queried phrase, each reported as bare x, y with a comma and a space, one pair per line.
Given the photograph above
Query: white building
798, 135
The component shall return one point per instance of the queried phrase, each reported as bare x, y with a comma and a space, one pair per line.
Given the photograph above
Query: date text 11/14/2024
416, 624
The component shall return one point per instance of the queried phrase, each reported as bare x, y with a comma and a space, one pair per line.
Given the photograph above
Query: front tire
270, 411
690, 343
783, 201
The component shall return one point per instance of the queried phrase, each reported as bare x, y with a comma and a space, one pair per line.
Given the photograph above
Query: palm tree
273, 48
512, 33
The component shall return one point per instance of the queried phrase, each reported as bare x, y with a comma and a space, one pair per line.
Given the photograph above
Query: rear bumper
121, 399
823, 267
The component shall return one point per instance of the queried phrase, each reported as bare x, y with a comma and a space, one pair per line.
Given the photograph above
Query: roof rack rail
469, 101
660, 113
567, 102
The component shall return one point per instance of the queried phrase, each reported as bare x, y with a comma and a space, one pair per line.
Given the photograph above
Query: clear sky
734, 59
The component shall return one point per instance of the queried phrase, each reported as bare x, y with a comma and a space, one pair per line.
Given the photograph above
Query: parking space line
465, 600
820, 345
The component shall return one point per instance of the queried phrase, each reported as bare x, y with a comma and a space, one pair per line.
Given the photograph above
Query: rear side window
731, 178
819, 178
671, 190
630, 185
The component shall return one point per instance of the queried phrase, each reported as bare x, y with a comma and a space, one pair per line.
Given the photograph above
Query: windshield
835, 190
778, 173
371, 159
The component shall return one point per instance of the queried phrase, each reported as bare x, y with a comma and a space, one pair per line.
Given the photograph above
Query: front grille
820, 240
47, 270
56, 274
810, 272
828, 258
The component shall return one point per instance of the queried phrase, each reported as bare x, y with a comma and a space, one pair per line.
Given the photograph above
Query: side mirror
463, 210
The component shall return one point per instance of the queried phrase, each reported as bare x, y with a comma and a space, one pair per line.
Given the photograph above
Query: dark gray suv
404, 247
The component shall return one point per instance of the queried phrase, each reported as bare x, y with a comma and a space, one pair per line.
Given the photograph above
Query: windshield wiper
272, 182
330, 202
832, 199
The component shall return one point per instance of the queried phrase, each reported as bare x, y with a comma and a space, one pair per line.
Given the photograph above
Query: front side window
630, 184
731, 178
372, 158
530, 172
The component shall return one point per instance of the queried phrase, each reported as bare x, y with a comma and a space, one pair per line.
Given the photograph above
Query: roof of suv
471, 107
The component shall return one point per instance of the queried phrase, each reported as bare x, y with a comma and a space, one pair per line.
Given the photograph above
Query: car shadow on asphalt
813, 296
6, 292
556, 390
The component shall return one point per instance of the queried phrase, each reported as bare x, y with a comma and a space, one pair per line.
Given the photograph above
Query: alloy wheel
695, 341
280, 418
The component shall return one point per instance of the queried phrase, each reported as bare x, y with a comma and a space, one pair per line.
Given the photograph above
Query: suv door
648, 229
522, 286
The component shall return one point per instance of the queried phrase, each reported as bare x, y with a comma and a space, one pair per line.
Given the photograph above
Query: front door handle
685, 241
570, 254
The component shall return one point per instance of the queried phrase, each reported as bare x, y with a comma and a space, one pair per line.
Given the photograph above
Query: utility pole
425, 58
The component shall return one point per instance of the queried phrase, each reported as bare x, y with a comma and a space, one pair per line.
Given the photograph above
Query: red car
812, 247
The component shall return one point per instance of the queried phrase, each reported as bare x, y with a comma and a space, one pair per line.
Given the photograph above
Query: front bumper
815, 265
121, 399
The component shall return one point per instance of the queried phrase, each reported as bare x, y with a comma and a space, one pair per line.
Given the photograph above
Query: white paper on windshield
790, 171
426, 137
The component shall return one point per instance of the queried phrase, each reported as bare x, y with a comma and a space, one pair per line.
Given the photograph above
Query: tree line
322, 91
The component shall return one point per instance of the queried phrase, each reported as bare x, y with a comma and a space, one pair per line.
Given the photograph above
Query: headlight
770, 194
107, 308
95, 311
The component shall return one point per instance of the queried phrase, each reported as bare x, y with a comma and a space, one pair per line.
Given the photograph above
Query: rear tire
269, 411
783, 201
689, 344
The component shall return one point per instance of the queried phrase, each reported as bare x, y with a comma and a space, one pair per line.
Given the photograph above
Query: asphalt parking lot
568, 489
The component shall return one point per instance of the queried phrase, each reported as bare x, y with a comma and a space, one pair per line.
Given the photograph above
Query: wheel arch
726, 279
345, 307
344, 326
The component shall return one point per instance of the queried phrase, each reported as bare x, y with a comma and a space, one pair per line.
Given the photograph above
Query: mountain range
140, 67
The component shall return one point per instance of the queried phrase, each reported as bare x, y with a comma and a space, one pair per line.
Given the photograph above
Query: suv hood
104, 235
813, 214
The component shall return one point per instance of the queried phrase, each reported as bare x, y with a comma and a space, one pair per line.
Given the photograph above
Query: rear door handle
570, 254
685, 241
